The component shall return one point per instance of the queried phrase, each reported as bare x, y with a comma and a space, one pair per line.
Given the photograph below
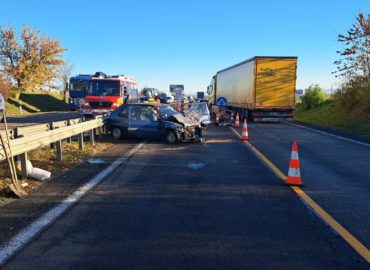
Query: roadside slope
330, 116
35, 102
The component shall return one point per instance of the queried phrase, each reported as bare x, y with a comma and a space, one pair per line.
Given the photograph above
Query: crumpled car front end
188, 128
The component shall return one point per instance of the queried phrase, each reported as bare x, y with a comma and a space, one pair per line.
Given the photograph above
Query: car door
120, 119
155, 126
145, 122
137, 122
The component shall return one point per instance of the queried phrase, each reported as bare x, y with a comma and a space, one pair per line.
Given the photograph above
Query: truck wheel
171, 137
117, 133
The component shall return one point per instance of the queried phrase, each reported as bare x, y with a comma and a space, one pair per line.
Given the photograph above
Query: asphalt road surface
213, 206
39, 118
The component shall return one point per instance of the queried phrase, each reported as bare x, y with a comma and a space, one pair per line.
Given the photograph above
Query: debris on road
96, 161
36, 173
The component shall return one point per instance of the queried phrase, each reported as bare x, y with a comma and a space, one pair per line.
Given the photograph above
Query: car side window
135, 113
125, 112
146, 114
154, 114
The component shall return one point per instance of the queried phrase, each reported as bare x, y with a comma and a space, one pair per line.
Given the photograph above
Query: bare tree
355, 57
65, 73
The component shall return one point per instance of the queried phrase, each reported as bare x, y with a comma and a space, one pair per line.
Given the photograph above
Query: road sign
221, 101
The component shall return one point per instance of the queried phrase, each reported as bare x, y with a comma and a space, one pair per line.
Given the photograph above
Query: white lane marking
25, 235
328, 134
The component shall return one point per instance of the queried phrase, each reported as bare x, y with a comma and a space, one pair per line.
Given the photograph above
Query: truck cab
148, 94
107, 93
78, 86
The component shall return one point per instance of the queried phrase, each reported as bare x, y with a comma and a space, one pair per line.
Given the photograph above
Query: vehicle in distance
153, 120
148, 94
107, 93
177, 90
191, 99
261, 88
200, 95
78, 86
166, 98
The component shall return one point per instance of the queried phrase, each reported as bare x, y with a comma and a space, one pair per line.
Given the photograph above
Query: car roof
149, 104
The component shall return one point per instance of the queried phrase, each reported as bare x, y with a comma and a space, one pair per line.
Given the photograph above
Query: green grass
44, 102
332, 116
35, 102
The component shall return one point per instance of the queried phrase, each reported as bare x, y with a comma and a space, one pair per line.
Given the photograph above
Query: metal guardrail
24, 131
32, 137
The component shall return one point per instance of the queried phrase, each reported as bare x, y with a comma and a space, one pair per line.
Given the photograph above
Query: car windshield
103, 88
166, 111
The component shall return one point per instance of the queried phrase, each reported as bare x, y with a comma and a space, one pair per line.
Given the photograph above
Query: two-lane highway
193, 206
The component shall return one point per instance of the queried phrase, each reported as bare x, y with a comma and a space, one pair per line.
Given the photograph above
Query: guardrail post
81, 141
59, 150
92, 137
100, 132
70, 122
23, 158
52, 145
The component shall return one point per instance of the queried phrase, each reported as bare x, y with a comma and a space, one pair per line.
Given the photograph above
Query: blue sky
185, 42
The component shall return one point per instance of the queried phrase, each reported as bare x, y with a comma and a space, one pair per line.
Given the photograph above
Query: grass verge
330, 115
45, 158
35, 102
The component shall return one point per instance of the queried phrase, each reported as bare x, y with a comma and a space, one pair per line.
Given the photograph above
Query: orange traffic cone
237, 123
245, 130
294, 174
217, 118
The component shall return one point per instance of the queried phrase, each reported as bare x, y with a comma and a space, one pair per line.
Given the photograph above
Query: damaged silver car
154, 120
202, 112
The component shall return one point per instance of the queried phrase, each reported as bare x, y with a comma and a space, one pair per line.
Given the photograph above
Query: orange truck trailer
261, 88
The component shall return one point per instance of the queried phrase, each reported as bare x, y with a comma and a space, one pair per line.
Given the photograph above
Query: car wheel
171, 137
117, 133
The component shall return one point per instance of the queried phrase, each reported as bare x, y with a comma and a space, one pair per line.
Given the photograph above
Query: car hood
190, 119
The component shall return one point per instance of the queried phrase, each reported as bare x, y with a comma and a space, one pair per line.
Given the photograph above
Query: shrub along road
208, 206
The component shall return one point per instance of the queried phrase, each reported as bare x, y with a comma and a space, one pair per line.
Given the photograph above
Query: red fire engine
107, 93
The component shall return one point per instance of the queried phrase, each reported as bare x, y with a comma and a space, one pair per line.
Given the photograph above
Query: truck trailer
260, 89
